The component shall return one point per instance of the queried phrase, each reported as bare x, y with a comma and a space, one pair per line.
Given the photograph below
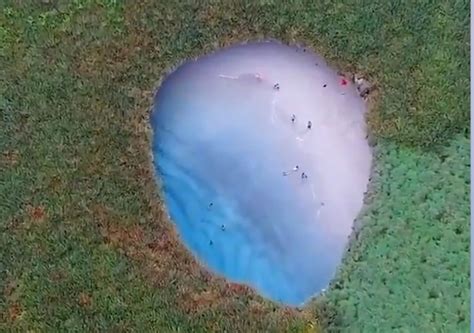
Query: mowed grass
85, 244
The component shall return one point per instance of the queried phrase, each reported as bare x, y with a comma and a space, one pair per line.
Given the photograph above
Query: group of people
295, 169
211, 204
309, 125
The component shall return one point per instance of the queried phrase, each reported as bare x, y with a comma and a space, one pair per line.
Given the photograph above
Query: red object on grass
343, 82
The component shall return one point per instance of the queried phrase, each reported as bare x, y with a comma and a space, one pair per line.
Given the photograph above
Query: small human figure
276, 86
211, 242
210, 205
304, 176
325, 85
258, 76
293, 118
285, 173
296, 168
310, 124
223, 227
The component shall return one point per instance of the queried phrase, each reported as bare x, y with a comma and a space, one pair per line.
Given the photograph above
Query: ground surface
84, 243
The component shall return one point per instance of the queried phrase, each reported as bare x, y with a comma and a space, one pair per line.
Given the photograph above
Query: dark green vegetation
84, 243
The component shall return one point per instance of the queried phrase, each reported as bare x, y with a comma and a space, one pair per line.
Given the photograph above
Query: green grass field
85, 245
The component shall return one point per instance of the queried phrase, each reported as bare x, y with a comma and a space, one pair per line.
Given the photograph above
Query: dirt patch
14, 312
84, 300
36, 213
9, 158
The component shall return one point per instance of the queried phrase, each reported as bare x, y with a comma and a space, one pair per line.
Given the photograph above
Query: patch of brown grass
10, 288
84, 300
32, 216
14, 312
9, 158
37, 213
57, 275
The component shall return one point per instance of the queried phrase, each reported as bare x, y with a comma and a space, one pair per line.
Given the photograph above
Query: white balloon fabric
260, 150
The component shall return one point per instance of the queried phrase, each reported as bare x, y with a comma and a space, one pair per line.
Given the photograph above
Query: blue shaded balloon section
245, 179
